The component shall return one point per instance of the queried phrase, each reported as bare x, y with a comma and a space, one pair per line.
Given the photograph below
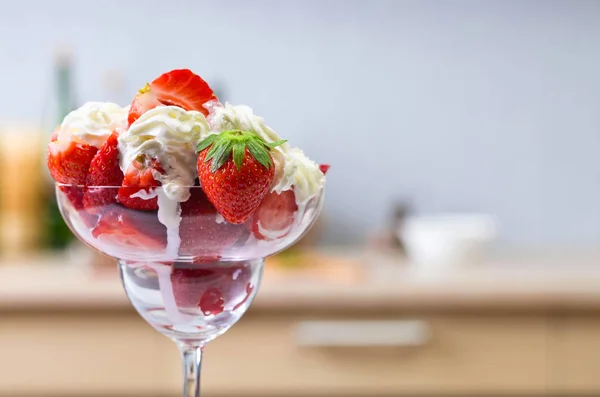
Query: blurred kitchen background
459, 247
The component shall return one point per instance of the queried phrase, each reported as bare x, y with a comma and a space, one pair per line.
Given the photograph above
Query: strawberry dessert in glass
189, 195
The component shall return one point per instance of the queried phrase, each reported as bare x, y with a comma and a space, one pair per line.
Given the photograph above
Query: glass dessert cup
192, 280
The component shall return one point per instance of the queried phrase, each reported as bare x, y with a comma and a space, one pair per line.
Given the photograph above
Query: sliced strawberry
275, 216
104, 174
211, 302
74, 194
121, 227
201, 235
180, 88
70, 166
324, 168
211, 288
139, 180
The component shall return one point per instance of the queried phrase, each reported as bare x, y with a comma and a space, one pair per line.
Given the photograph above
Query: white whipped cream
92, 123
274, 234
170, 134
169, 214
219, 218
292, 167
145, 195
307, 178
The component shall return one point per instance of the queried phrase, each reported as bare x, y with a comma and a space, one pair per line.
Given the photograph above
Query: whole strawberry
236, 170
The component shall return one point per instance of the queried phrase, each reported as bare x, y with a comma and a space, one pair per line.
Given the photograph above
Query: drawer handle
406, 333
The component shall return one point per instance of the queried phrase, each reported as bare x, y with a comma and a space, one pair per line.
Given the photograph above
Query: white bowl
447, 239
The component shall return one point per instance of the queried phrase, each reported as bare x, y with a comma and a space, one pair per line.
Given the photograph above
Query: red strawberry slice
180, 88
190, 284
70, 167
103, 175
71, 198
275, 216
324, 168
139, 178
201, 235
211, 302
121, 227
211, 287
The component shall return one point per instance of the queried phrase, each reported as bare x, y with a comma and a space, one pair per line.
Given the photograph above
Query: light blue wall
461, 105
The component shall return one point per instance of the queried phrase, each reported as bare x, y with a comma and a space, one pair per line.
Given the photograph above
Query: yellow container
22, 184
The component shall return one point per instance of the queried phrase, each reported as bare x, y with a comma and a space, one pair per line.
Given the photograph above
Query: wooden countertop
361, 282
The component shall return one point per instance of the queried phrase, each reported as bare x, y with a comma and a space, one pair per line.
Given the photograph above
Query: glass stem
192, 363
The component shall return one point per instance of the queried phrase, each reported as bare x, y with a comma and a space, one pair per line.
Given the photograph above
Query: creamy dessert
212, 173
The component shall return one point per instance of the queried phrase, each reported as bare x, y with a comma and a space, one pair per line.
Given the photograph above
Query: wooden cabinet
116, 353
576, 355
66, 335
458, 355
77, 353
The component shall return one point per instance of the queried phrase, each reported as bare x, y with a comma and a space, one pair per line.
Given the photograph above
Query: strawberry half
201, 235
236, 170
140, 178
121, 227
212, 287
70, 166
179, 87
324, 168
275, 216
104, 176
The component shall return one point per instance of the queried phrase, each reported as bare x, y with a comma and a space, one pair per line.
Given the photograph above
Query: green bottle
58, 236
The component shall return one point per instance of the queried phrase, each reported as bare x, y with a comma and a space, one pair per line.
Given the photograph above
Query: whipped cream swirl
92, 123
169, 134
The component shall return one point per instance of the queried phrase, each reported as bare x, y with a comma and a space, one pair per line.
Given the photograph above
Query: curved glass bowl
191, 303
191, 231
188, 272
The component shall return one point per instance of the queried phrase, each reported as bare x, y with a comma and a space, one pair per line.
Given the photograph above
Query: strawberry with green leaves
236, 171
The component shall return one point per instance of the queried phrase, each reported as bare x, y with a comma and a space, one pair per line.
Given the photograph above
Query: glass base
189, 303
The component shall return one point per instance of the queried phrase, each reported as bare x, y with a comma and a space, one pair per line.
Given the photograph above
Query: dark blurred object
390, 238
400, 212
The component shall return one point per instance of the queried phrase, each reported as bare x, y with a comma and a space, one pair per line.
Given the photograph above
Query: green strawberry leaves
206, 142
235, 143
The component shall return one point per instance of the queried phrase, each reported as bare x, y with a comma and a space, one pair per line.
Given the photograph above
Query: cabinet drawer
455, 354
576, 355
76, 354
